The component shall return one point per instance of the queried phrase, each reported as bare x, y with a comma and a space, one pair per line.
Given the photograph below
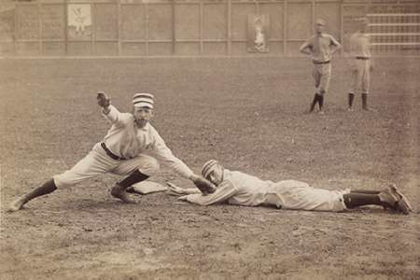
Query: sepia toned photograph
209, 139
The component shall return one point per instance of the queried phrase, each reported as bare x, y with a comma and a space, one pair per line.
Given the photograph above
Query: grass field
250, 114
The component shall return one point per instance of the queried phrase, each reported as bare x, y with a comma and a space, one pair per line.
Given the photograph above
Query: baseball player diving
131, 148
237, 188
321, 48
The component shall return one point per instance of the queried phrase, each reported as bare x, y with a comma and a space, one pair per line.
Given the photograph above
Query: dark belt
362, 58
111, 154
321, 62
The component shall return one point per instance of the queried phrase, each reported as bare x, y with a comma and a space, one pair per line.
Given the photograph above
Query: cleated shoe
402, 202
118, 192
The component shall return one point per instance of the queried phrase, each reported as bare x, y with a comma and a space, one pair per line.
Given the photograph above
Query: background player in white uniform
131, 148
320, 47
361, 63
237, 188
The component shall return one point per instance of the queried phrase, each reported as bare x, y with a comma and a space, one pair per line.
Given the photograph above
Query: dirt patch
247, 113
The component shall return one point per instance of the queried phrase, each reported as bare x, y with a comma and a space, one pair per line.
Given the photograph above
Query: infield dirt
247, 113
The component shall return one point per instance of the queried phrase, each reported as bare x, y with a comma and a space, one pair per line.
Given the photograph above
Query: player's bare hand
174, 190
103, 100
183, 198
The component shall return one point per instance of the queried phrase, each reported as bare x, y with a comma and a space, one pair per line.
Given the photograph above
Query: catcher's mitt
204, 185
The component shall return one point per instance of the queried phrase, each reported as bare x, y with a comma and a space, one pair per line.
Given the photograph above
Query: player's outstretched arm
103, 101
177, 191
204, 185
222, 194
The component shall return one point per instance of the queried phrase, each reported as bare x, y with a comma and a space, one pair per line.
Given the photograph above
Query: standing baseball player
237, 188
131, 148
361, 63
321, 48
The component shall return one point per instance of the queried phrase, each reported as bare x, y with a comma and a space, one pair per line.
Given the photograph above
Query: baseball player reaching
237, 188
131, 148
321, 48
361, 62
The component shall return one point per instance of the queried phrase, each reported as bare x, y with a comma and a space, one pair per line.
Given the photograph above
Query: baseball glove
103, 99
204, 185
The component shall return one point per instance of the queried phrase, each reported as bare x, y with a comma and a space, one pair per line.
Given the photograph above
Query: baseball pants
360, 76
322, 76
300, 196
97, 162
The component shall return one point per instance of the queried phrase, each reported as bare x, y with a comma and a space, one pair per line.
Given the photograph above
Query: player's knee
64, 180
151, 167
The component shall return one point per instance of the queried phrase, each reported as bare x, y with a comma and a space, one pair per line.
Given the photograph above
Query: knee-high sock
133, 178
353, 200
364, 101
48, 187
351, 98
321, 101
314, 101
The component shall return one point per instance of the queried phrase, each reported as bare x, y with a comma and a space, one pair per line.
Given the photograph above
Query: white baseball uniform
239, 188
137, 149
320, 48
360, 51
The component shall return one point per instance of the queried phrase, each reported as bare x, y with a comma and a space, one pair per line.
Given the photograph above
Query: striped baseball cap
208, 167
143, 100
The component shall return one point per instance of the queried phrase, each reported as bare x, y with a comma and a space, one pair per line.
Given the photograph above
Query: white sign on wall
79, 20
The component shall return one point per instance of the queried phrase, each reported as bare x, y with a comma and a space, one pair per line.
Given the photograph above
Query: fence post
146, 24
201, 23
285, 19
65, 8
15, 29
40, 30
119, 37
341, 27
173, 28
93, 37
313, 13
229, 27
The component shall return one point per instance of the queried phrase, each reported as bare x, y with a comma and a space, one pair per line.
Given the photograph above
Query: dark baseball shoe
394, 199
118, 192
402, 204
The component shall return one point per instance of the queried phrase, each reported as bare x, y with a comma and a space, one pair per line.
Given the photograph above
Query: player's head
213, 171
142, 108
319, 25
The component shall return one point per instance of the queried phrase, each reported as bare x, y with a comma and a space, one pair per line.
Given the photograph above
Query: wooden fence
198, 27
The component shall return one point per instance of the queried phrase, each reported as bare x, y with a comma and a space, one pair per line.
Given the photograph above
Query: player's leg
350, 101
315, 100
90, 166
353, 87
354, 199
324, 84
389, 198
365, 191
297, 195
48, 187
365, 80
138, 169
317, 78
321, 100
